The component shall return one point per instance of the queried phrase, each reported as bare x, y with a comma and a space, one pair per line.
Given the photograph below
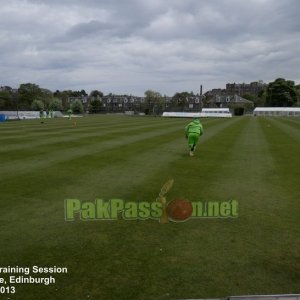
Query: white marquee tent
205, 113
277, 111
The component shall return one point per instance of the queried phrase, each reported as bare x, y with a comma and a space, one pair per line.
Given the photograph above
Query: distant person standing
42, 116
70, 113
192, 132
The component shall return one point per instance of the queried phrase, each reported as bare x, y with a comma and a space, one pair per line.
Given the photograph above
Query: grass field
253, 160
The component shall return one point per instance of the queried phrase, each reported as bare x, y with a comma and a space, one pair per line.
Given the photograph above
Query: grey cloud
132, 45
87, 29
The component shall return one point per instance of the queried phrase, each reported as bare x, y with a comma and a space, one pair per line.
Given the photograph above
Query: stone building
240, 89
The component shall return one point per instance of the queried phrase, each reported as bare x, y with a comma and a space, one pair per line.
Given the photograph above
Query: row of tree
279, 93
30, 96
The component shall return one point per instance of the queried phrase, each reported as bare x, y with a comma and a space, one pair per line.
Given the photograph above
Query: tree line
279, 93
30, 96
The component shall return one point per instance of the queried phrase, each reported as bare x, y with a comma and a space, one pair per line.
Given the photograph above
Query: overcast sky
129, 46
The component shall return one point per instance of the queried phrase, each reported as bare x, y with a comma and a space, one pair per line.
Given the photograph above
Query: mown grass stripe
285, 153
78, 144
43, 133
288, 128
291, 120
210, 157
64, 158
68, 152
64, 136
29, 126
141, 163
42, 130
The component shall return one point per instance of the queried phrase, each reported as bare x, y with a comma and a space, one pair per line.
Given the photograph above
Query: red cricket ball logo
176, 210
179, 210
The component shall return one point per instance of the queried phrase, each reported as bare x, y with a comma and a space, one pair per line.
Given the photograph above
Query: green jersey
194, 127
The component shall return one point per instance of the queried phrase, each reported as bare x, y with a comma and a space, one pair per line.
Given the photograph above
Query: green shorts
193, 139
